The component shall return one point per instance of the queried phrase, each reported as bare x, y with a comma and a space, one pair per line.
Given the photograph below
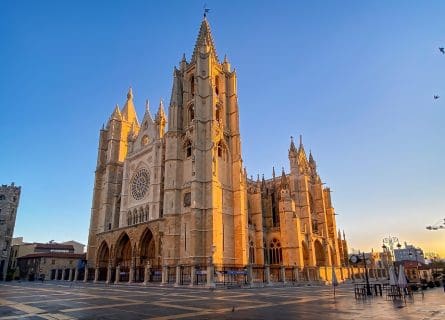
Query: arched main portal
147, 248
103, 259
123, 252
306, 260
319, 254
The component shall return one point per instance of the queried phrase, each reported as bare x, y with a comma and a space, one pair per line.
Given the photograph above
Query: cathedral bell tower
205, 201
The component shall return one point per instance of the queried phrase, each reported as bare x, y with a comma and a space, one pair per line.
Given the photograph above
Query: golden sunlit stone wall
182, 190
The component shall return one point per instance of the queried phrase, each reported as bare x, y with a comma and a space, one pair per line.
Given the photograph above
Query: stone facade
49, 260
181, 196
9, 202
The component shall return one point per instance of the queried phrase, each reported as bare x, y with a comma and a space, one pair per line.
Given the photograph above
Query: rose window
139, 184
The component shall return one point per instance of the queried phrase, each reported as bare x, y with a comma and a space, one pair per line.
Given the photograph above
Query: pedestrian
443, 283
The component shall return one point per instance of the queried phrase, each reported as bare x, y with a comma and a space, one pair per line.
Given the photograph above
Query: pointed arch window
192, 85
135, 217
217, 85
266, 253
218, 112
188, 149
275, 213
191, 113
220, 150
129, 218
251, 252
275, 252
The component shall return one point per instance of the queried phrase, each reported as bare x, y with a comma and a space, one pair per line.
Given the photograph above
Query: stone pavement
64, 300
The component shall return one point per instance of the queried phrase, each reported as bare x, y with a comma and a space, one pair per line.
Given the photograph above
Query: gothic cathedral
179, 195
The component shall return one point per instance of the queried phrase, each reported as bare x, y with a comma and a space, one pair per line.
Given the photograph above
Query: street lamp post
368, 287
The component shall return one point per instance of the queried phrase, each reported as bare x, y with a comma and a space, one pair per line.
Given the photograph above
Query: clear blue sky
356, 78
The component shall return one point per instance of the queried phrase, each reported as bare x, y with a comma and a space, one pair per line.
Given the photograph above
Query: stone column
267, 274
308, 274
76, 274
147, 272
85, 276
178, 276
118, 274
283, 274
109, 270
70, 276
210, 279
164, 275
249, 275
96, 275
192, 275
131, 275
296, 274
326, 273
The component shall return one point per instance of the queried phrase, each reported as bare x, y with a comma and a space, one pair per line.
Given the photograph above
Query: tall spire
160, 115
312, 162
147, 115
311, 159
161, 119
128, 111
283, 179
204, 38
292, 145
301, 152
116, 115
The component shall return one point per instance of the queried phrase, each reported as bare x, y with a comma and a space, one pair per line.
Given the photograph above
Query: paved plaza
59, 300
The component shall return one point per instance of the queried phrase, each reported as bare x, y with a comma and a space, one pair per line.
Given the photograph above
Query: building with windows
409, 253
9, 202
180, 195
49, 260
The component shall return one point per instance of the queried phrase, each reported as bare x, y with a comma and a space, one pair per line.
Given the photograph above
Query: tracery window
266, 253
275, 252
140, 183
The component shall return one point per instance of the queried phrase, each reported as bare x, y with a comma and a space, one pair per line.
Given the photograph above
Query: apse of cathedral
172, 190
